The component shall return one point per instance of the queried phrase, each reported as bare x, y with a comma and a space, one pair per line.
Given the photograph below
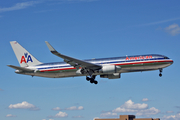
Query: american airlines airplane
110, 68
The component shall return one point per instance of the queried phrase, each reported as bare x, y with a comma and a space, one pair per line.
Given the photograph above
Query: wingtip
49, 46
13, 42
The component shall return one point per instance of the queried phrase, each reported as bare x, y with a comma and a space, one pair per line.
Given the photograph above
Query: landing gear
87, 78
92, 79
160, 74
95, 82
89, 72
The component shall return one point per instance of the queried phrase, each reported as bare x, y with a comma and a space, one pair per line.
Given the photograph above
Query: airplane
110, 68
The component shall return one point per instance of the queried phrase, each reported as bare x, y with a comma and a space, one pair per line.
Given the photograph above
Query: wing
73, 61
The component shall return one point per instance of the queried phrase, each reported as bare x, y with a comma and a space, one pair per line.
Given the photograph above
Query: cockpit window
166, 58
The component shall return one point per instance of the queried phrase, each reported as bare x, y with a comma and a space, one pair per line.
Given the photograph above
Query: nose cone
171, 61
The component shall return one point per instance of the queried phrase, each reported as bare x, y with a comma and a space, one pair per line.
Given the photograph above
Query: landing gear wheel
160, 75
87, 78
95, 82
91, 81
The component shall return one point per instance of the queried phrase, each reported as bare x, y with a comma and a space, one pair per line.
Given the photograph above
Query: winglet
50, 47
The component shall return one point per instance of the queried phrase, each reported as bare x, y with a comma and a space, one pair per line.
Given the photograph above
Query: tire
95, 82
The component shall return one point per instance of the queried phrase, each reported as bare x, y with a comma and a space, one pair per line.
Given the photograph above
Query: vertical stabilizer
23, 56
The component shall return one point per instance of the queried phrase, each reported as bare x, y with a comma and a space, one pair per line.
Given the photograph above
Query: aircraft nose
171, 62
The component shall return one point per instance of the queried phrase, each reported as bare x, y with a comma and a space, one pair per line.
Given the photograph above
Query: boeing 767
110, 68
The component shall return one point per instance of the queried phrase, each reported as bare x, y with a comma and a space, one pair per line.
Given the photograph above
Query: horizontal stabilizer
20, 68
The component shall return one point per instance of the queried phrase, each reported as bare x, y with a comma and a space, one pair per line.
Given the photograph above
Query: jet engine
111, 76
110, 69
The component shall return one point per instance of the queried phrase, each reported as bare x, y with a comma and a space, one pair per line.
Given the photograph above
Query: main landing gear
160, 74
89, 72
92, 79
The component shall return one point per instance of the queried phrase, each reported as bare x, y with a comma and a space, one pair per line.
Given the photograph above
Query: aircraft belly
53, 75
143, 67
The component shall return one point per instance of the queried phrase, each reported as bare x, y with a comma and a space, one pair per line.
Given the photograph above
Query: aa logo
26, 58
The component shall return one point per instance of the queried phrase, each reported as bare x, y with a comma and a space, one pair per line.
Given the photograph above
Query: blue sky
90, 29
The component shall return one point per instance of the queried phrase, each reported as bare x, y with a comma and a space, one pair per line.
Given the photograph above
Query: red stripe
170, 61
58, 69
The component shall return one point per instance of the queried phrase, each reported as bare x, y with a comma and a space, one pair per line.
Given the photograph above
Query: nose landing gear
160, 74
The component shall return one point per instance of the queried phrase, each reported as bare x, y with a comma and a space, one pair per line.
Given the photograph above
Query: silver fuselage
127, 64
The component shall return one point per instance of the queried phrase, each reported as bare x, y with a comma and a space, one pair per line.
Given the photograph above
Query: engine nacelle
111, 76
110, 69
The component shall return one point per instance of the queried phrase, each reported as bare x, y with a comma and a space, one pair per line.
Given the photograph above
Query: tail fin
23, 56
